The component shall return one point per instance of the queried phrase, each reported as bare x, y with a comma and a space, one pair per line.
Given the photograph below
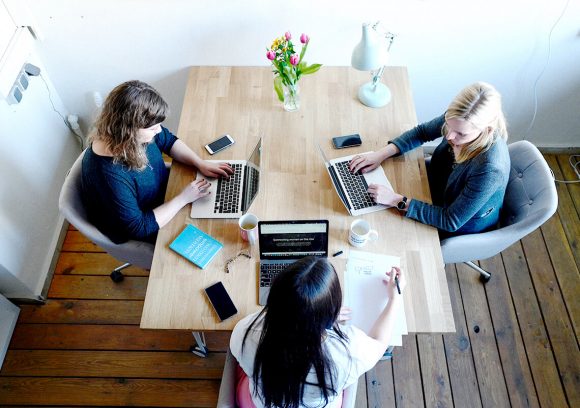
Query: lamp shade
370, 53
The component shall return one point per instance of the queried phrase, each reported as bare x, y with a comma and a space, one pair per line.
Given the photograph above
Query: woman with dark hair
294, 353
124, 177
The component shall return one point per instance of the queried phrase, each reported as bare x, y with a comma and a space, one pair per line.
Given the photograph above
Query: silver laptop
283, 243
352, 188
231, 197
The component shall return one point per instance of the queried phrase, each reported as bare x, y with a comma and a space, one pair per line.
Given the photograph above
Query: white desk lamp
369, 55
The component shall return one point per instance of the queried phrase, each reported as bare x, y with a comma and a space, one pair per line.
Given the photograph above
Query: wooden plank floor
516, 342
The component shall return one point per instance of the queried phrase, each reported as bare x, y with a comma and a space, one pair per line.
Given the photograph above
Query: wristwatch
401, 205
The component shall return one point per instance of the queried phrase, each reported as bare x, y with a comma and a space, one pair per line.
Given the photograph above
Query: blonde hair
130, 106
480, 105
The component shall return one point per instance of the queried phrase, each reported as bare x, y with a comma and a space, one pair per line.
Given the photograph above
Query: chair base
484, 276
117, 276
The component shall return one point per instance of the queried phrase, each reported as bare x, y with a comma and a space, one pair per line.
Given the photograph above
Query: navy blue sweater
467, 197
120, 201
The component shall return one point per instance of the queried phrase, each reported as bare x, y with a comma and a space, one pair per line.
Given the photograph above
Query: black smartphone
340, 142
220, 144
221, 301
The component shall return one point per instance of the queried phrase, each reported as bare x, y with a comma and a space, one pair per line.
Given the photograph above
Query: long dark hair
304, 302
131, 106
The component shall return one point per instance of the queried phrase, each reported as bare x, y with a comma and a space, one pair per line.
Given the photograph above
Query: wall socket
17, 91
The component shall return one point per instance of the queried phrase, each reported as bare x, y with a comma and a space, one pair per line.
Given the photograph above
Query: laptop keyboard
355, 185
228, 192
268, 271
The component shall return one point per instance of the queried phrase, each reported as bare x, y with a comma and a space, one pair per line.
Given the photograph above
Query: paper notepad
366, 293
196, 246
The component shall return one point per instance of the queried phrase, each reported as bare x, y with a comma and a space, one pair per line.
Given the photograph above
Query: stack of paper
366, 293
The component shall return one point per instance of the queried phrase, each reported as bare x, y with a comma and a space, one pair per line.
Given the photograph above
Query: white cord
80, 140
575, 165
527, 133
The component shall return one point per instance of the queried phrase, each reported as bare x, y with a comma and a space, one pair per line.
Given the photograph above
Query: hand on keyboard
365, 163
210, 169
384, 195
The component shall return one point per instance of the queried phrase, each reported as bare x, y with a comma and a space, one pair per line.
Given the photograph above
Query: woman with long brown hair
124, 176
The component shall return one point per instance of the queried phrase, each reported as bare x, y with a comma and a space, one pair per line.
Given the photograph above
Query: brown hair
480, 105
131, 106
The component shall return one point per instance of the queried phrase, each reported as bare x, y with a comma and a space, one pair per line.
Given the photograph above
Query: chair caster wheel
484, 278
117, 276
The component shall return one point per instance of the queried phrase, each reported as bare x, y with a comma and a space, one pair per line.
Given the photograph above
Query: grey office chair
71, 207
227, 394
530, 200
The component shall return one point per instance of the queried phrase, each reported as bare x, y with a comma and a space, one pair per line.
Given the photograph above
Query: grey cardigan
467, 197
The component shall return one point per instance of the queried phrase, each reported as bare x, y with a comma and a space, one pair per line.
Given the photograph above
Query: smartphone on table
220, 300
219, 144
341, 142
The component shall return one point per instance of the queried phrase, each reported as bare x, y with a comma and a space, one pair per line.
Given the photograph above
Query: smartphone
221, 301
340, 142
220, 144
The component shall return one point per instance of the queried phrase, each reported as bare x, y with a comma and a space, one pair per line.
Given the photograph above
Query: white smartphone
219, 144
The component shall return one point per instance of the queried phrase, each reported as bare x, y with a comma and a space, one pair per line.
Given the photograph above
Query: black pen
397, 283
338, 253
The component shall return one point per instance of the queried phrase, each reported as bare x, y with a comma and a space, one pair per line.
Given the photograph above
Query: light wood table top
294, 185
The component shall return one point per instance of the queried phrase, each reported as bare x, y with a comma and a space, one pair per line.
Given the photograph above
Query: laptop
352, 188
231, 197
284, 242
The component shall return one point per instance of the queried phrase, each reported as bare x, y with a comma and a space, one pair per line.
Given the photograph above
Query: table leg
200, 349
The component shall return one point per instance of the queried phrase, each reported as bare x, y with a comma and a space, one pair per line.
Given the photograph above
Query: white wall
93, 45
446, 44
36, 149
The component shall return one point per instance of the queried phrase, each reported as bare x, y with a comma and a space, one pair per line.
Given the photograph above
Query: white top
364, 353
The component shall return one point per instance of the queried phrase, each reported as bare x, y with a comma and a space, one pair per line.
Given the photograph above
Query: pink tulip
288, 35
271, 55
294, 59
304, 39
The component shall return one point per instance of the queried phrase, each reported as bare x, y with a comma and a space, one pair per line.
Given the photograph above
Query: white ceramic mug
360, 233
249, 228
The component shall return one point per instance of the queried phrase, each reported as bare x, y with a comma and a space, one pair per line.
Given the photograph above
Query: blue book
196, 246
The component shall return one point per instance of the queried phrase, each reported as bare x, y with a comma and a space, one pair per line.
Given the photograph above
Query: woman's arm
474, 194
409, 140
183, 154
192, 192
382, 330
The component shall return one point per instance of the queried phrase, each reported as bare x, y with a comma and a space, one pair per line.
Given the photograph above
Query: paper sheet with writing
366, 293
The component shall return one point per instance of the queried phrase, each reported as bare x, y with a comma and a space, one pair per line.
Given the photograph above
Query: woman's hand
195, 190
344, 314
215, 170
384, 195
365, 162
392, 284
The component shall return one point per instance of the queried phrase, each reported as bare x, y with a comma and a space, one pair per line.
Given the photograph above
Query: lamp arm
377, 76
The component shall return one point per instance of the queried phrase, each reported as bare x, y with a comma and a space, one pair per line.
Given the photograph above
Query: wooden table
294, 185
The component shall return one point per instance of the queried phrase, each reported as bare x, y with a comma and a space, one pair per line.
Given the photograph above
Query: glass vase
291, 97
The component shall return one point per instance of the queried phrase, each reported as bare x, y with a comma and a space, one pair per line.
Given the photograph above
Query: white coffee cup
249, 228
360, 233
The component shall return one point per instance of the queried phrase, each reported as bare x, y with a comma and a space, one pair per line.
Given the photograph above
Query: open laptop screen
293, 239
251, 177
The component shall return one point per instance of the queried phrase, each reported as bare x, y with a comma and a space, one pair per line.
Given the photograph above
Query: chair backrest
530, 200
227, 393
531, 191
71, 206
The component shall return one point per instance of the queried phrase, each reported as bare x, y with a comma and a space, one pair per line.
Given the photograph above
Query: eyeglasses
231, 260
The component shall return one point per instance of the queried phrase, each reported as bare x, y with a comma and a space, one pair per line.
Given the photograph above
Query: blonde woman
469, 169
124, 177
